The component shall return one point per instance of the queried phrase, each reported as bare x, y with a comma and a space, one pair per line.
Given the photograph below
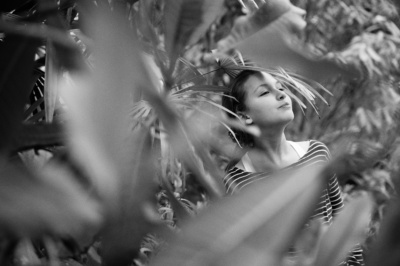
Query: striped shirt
331, 201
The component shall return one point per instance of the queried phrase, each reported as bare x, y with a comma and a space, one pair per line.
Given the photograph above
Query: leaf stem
214, 70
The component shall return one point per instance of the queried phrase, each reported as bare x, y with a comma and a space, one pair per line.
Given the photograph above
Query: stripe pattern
331, 201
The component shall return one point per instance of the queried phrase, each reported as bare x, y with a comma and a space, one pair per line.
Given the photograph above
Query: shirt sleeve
334, 191
335, 195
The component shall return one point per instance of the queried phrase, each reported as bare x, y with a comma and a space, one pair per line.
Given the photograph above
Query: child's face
267, 102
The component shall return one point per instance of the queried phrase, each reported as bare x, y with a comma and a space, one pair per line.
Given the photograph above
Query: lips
286, 105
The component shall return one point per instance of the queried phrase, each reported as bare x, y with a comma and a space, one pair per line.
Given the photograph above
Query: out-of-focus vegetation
113, 140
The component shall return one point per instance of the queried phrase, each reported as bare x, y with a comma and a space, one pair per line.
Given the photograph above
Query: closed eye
264, 93
279, 86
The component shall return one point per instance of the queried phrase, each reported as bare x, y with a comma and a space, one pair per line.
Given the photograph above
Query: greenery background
103, 164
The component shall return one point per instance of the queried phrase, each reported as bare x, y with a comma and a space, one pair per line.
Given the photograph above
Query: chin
289, 116
288, 119
282, 121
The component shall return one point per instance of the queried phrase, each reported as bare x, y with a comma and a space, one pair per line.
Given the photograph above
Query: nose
280, 95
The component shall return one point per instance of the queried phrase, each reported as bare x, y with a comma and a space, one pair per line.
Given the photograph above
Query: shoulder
312, 143
317, 143
231, 177
317, 146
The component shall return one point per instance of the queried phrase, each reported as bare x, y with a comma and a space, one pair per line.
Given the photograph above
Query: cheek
257, 107
261, 113
290, 100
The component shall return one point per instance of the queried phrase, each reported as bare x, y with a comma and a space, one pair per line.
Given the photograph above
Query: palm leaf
207, 100
184, 146
143, 79
230, 123
140, 110
299, 102
300, 88
305, 85
226, 123
235, 64
300, 78
202, 88
28, 112
187, 72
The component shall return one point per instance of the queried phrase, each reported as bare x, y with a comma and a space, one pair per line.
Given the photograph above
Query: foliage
115, 140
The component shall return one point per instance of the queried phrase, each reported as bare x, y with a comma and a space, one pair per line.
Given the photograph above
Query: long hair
234, 101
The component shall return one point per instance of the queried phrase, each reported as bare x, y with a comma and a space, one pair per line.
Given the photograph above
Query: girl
261, 100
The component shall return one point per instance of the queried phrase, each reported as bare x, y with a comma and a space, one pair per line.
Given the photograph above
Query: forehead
254, 81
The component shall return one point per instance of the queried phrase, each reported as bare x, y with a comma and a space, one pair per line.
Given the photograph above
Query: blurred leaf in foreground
117, 158
275, 43
136, 214
255, 227
185, 22
98, 103
347, 230
25, 253
246, 26
275, 46
385, 249
47, 203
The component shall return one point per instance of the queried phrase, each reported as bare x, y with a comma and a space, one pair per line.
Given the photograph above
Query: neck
273, 144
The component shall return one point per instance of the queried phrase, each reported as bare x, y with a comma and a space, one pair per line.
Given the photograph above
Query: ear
247, 119
242, 115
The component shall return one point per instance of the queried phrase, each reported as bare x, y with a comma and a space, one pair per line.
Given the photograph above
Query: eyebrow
264, 84
260, 86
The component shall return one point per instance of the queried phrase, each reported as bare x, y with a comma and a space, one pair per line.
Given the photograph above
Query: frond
186, 72
233, 65
201, 88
